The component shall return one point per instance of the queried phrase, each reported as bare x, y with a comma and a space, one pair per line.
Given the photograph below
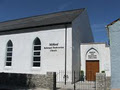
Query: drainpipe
108, 35
65, 52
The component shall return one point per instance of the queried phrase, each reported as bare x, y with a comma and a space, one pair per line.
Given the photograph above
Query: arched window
36, 52
9, 53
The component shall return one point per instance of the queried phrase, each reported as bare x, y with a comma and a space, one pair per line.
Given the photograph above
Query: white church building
50, 43
45, 43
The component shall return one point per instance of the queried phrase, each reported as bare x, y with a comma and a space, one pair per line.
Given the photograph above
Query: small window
37, 53
9, 53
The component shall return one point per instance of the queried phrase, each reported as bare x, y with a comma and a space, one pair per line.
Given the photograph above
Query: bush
102, 71
81, 75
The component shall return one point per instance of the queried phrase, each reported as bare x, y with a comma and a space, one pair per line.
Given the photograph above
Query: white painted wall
22, 52
114, 37
81, 33
104, 56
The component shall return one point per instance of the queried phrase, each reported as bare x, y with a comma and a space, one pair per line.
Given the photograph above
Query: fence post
74, 81
51, 80
54, 80
100, 81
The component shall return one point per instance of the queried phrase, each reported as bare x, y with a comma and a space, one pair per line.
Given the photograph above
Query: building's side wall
51, 61
114, 35
103, 57
81, 33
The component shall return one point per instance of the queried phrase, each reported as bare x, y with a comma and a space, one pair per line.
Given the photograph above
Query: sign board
54, 47
92, 55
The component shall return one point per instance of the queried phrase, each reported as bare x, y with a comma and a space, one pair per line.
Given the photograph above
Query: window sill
36, 68
8, 67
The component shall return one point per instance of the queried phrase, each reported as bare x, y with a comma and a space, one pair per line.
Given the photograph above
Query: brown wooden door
92, 67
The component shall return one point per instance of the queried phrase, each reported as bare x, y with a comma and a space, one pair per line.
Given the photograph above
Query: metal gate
85, 85
82, 84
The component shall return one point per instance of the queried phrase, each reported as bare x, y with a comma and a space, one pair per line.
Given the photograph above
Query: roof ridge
42, 20
42, 15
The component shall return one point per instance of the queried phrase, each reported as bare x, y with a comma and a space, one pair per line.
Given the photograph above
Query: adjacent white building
95, 57
45, 43
113, 30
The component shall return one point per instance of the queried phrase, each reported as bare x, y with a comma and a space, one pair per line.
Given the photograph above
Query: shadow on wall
4, 89
15, 80
27, 81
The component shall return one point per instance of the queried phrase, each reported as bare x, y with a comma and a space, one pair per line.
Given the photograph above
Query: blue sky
101, 12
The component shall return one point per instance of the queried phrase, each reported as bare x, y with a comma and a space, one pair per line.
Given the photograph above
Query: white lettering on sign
53, 47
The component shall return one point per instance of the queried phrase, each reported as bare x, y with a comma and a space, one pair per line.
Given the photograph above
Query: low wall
14, 80
102, 82
108, 83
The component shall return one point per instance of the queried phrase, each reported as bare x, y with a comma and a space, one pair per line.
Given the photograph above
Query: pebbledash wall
101, 53
54, 42
114, 37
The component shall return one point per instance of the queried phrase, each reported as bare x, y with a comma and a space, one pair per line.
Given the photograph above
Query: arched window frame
9, 51
36, 53
89, 51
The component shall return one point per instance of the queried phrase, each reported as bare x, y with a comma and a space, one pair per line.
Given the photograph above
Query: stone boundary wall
108, 83
102, 82
29, 81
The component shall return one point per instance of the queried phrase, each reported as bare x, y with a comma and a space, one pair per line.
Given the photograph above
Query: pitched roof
113, 22
41, 20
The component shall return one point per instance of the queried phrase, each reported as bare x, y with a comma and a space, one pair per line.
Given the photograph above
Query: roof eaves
113, 22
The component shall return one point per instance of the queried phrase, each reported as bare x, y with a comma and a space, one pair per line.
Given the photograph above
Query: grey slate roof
41, 20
